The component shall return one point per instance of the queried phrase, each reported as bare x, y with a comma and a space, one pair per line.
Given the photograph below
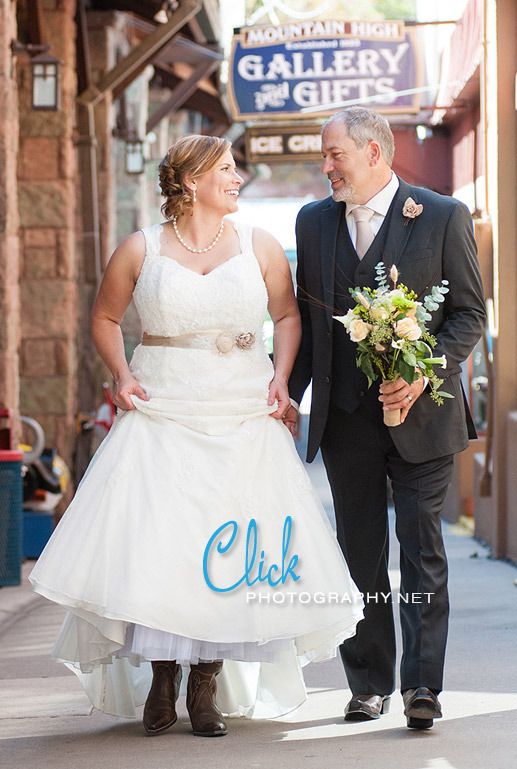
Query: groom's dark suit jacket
438, 244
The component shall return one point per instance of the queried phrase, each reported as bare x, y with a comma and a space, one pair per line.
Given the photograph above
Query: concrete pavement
47, 721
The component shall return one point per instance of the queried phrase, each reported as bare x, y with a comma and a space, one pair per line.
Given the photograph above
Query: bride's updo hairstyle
189, 156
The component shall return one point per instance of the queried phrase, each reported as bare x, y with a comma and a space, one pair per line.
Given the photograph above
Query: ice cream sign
282, 70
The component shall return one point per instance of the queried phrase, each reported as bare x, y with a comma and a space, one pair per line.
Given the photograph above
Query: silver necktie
364, 230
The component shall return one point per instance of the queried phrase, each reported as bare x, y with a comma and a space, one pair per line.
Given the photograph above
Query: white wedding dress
127, 558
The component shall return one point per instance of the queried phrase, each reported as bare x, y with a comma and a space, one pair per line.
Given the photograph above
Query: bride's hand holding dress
283, 310
115, 294
124, 387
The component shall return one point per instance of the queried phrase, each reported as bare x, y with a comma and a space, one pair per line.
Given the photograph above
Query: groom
339, 241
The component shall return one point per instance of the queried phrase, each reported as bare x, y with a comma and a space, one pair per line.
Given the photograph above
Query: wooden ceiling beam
181, 93
197, 33
218, 129
141, 7
143, 28
128, 68
200, 101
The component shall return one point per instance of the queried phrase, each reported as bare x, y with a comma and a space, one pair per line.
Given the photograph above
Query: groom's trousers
359, 455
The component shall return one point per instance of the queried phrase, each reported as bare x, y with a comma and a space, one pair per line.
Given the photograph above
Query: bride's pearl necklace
190, 248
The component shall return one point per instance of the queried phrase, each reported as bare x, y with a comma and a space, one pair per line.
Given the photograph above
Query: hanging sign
283, 143
277, 71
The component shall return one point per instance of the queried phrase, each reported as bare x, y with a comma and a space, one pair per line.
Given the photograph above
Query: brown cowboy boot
160, 706
205, 716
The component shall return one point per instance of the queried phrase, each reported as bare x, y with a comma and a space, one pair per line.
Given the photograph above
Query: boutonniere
411, 210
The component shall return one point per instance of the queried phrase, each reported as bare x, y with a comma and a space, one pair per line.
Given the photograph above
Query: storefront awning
461, 59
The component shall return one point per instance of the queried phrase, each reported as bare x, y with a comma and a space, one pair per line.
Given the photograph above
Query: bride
195, 537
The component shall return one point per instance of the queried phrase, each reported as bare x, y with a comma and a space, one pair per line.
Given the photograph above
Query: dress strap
245, 233
152, 240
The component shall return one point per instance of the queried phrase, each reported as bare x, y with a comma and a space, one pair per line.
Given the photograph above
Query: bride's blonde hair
189, 156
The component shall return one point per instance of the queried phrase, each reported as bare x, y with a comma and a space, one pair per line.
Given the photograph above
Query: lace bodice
172, 299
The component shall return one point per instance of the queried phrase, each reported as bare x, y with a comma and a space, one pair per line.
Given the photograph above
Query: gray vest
349, 384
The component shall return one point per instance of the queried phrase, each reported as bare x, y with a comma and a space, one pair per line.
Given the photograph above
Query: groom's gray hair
364, 125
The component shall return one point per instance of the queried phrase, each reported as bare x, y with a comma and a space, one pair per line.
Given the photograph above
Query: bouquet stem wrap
392, 418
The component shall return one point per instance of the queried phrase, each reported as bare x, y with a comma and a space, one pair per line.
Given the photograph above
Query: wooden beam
143, 28
35, 24
197, 33
163, 59
200, 101
209, 19
141, 7
209, 106
121, 86
218, 129
188, 47
181, 93
131, 66
502, 139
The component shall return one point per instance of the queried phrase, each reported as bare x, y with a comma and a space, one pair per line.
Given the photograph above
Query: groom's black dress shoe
421, 706
367, 707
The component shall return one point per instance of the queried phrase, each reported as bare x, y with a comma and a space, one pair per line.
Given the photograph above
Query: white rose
407, 328
379, 313
359, 330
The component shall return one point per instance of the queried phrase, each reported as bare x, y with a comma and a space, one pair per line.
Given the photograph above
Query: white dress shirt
379, 204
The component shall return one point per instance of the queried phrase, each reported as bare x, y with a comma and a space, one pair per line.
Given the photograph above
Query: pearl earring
194, 195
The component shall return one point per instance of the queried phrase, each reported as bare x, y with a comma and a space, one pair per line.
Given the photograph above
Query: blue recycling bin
11, 519
38, 526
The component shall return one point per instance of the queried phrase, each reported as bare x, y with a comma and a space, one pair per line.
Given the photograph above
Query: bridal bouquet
389, 327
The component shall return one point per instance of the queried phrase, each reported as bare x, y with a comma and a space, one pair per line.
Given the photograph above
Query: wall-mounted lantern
135, 161
45, 82
45, 74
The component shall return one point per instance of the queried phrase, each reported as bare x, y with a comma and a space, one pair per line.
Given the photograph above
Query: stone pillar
9, 245
48, 188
